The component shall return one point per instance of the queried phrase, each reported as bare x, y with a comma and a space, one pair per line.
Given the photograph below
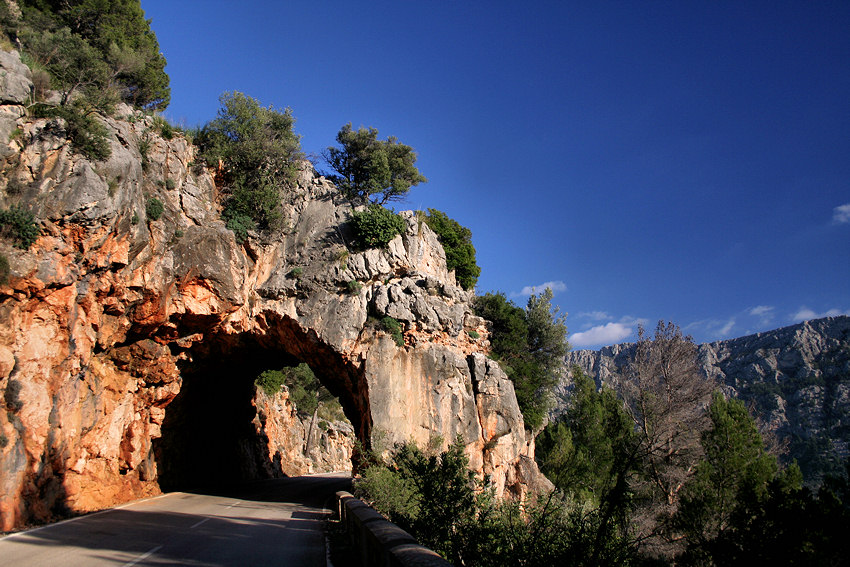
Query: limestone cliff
129, 346
796, 379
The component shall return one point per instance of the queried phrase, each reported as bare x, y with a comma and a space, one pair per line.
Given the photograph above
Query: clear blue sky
685, 161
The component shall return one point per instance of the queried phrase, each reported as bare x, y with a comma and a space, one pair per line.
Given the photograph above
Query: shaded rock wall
115, 326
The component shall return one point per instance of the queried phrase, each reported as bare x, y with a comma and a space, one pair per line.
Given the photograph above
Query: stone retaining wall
379, 541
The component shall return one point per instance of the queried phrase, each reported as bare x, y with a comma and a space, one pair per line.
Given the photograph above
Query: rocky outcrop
292, 445
129, 346
796, 380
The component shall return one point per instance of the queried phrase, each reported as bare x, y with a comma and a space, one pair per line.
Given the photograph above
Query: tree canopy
371, 169
104, 44
256, 150
530, 344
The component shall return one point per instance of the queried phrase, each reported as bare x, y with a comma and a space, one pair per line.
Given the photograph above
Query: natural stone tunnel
209, 436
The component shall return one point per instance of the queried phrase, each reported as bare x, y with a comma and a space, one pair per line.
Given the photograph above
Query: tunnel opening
210, 435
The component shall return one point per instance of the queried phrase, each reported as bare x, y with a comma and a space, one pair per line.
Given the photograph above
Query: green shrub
375, 226
170, 184
88, 136
239, 223
154, 208
393, 327
144, 150
165, 129
19, 224
457, 243
259, 151
473, 334
5, 270
354, 287
296, 272
305, 391
270, 381
135, 218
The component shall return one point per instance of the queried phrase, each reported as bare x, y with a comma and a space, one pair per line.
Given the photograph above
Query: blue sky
685, 161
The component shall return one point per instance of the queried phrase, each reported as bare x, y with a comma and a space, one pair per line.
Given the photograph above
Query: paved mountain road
269, 523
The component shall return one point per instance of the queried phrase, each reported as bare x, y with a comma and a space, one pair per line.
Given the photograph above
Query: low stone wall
379, 541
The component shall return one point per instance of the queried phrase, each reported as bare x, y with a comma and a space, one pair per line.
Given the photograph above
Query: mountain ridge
795, 379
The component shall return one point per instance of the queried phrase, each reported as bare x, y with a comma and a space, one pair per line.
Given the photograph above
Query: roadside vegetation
641, 478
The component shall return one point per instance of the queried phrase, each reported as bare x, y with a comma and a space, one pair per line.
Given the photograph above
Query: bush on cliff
375, 226
457, 243
19, 224
255, 151
306, 392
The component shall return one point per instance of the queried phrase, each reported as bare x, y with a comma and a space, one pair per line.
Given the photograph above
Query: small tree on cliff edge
371, 169
257, 150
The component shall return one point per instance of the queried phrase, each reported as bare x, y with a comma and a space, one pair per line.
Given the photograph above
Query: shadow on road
311, 490
260, 523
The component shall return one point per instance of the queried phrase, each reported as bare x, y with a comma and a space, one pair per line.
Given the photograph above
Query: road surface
268, 523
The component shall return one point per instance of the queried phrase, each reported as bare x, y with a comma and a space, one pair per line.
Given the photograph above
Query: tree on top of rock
371, 169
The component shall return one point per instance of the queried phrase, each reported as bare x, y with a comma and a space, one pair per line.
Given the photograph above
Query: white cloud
715, 328
725, 329
761, 310
556, 286
804, 314
841, 214
630, 321
595, 315
607, 334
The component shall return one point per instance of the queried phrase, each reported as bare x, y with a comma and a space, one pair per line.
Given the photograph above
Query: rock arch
109, 316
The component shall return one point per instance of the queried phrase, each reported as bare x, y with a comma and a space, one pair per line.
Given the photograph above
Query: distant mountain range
795, 379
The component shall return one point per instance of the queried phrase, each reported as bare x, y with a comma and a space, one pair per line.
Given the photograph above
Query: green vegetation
19, 224
154, 208
296, 272
95, 53
457, 243
256, 152
103, 49
437, 499
354, 287
393, 327
734, 505
375, 226
371, 169
5, 270
88, 135
590, 454
305, 391
530, 344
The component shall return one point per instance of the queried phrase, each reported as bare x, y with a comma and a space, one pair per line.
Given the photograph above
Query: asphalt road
268, 523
